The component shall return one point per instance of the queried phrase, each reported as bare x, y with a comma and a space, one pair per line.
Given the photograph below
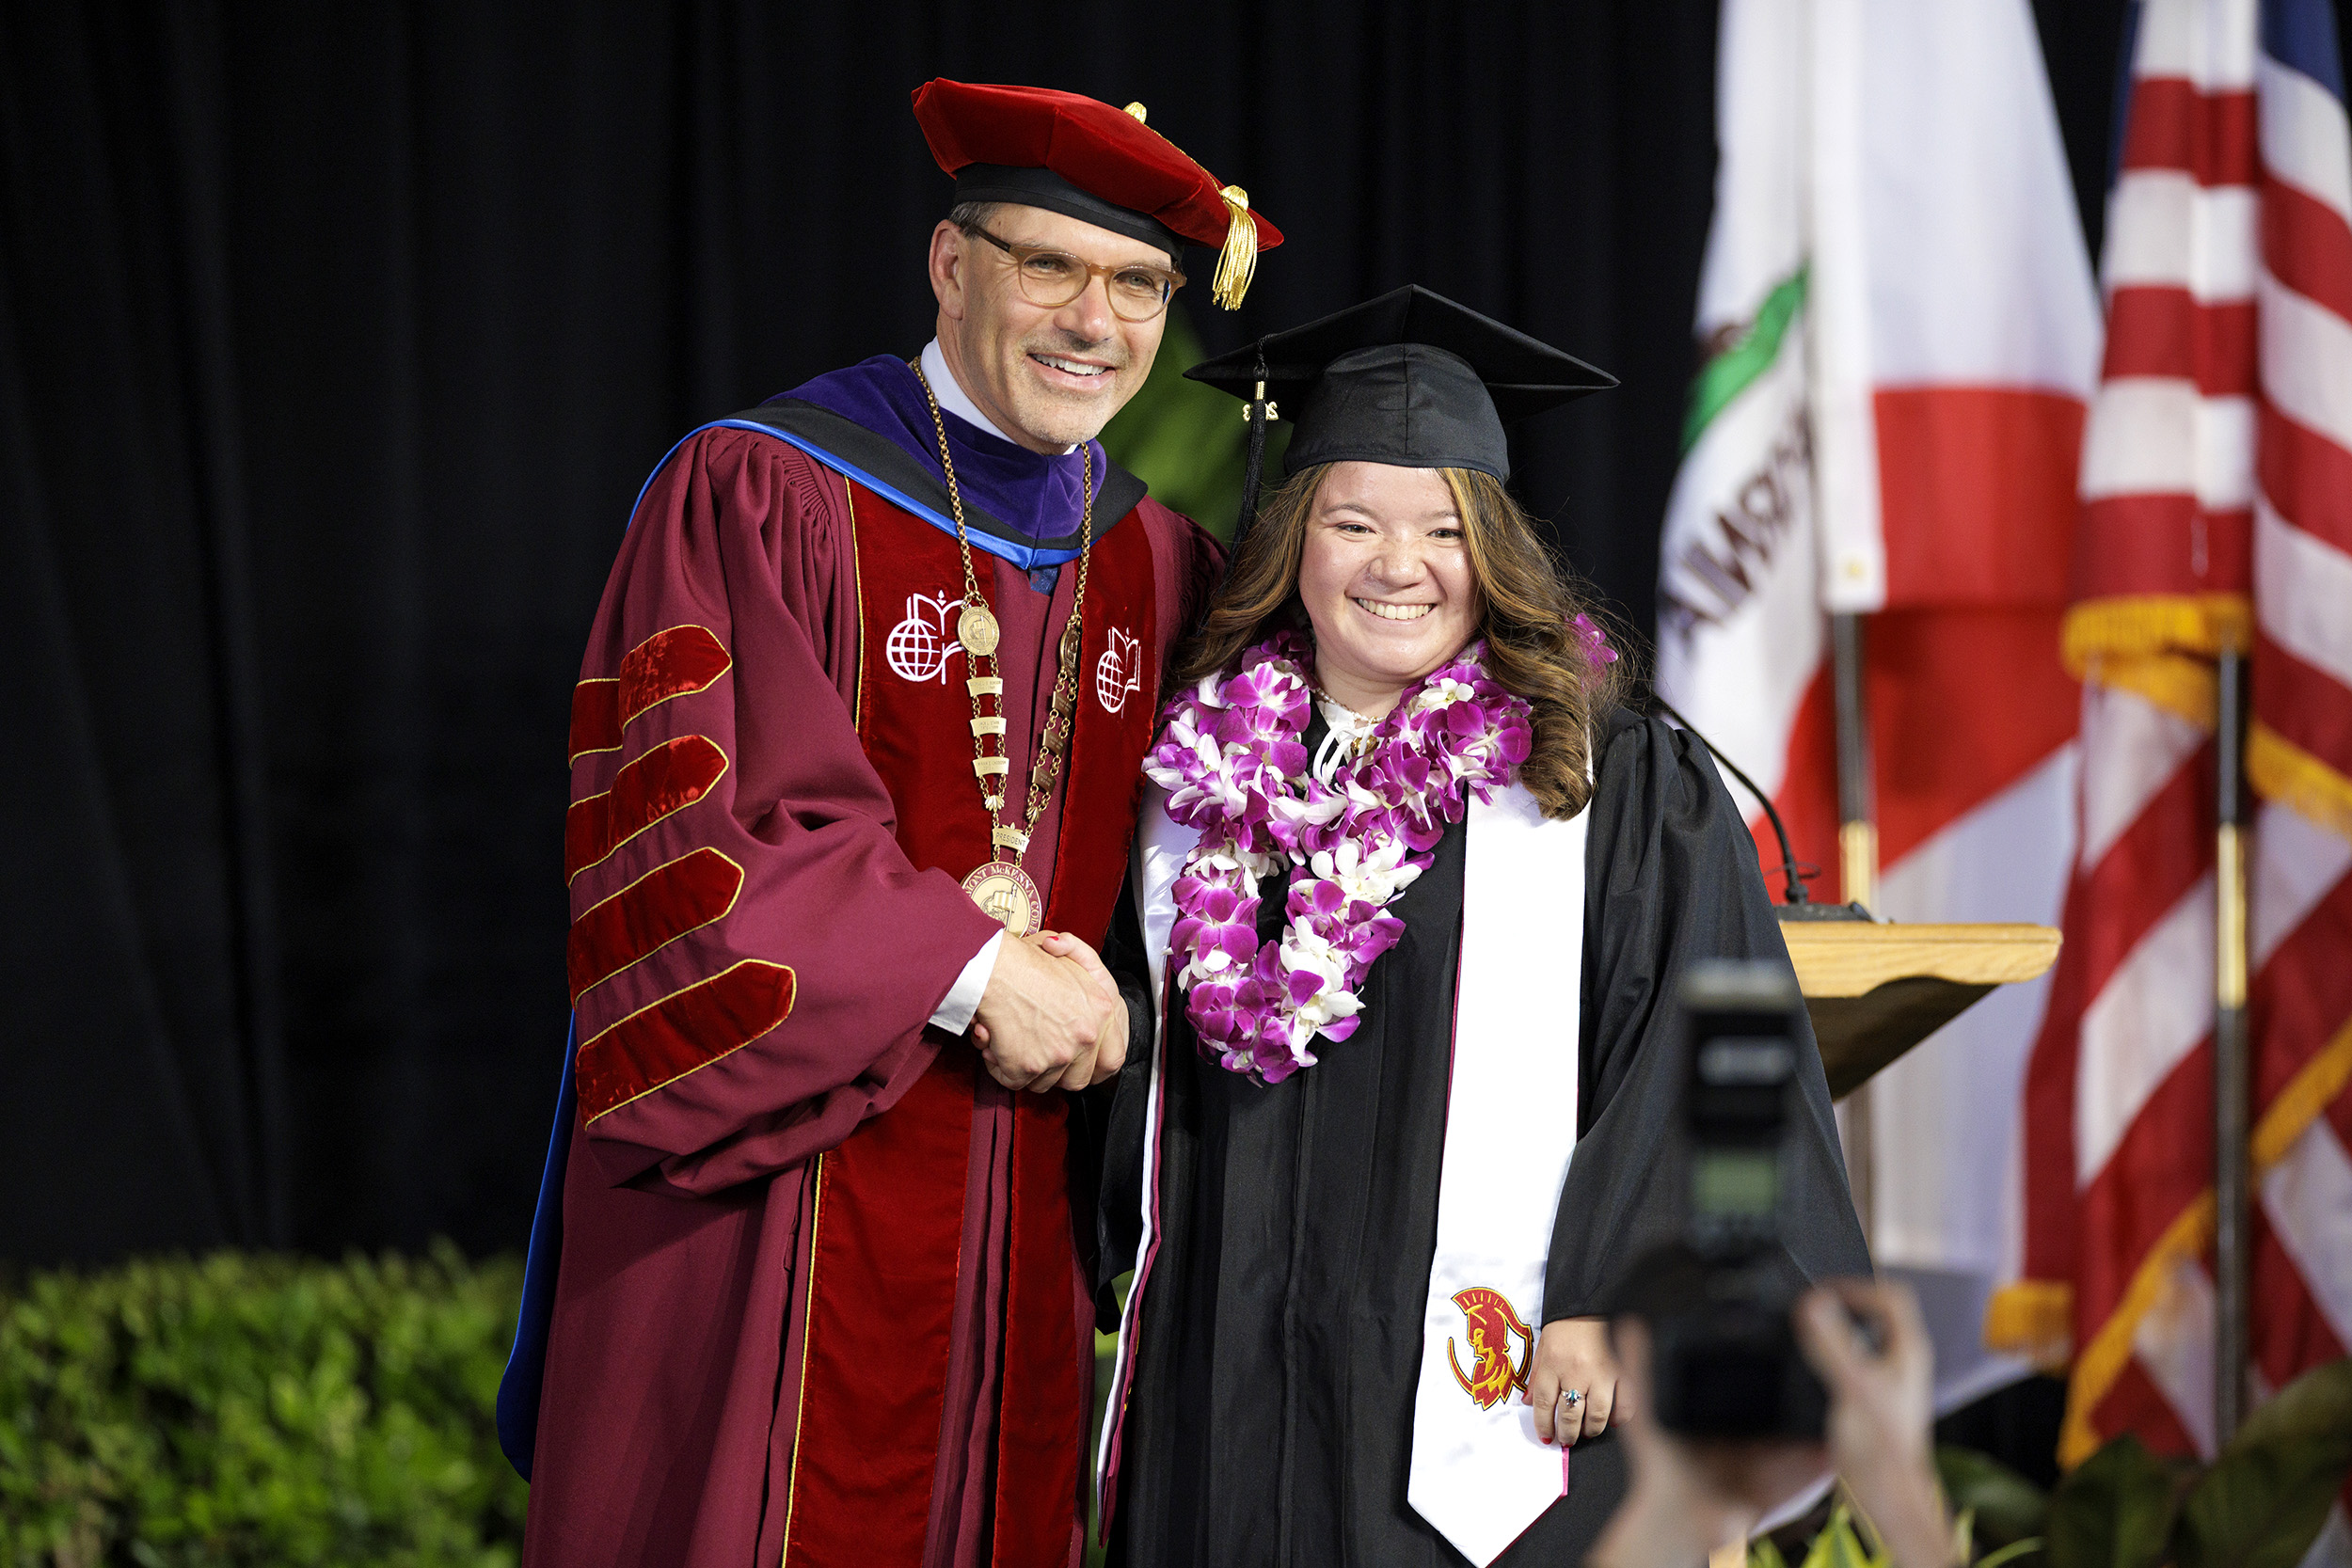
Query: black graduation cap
1410, 378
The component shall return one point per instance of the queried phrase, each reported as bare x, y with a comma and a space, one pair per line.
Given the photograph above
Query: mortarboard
1410, 379
1082, 158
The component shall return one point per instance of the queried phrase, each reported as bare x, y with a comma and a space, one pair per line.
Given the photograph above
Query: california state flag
1902, 334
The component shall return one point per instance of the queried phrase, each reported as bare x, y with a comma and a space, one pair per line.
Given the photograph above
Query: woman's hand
1573, 1355
1110, 1048
1040, 1019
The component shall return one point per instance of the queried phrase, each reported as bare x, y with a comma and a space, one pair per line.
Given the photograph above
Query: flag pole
1857, 865
1857, 814
2230, 1087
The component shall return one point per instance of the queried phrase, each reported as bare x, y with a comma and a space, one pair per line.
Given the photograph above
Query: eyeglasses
1052, 278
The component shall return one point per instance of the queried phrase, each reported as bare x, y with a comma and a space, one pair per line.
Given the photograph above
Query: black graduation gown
1271, 1415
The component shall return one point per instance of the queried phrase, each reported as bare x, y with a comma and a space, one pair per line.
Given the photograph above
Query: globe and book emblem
919, 648
1119, 671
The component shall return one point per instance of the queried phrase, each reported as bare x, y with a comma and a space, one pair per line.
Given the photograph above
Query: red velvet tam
1082, 158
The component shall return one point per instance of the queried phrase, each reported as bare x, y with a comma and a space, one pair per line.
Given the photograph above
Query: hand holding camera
1692, 1495
1744, 1386
1717, 1298
1866, 1343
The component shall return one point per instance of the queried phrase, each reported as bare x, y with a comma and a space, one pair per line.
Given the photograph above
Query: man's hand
1573, 1353
1040, 1020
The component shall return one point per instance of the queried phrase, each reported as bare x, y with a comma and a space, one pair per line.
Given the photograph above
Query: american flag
2217, 492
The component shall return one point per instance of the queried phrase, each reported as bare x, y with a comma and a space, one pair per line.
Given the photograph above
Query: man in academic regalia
855, 758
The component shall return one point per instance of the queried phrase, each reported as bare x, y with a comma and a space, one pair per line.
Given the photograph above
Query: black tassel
1258, 410
1249, 479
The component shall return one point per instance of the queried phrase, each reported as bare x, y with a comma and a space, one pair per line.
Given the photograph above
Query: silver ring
1572, 1399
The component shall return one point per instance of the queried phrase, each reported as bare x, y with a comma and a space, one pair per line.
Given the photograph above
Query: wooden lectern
1877, 990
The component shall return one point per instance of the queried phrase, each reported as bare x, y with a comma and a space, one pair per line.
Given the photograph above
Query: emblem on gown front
919, 647
1119, 671
1493, 1373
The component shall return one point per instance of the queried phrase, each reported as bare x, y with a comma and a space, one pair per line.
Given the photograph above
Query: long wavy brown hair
1526, 599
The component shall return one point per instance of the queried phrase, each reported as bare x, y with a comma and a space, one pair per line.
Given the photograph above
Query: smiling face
1047, 378
1386, 578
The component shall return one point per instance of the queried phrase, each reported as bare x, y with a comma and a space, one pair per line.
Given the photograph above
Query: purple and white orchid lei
1230, 757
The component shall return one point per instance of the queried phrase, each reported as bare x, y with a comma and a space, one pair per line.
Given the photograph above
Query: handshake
1052, 1017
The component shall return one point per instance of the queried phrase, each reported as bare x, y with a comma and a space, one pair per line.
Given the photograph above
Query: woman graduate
1415, 895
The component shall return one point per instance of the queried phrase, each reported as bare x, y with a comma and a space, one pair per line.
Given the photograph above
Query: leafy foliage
249, 1410
2115, 1511
2267, 1497
1842, 1542
2259, 1505
1187, 441
2004, 1507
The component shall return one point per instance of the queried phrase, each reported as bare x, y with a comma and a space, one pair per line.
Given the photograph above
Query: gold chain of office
999, 885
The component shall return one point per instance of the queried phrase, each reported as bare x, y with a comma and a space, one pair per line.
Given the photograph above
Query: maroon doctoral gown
819, 1298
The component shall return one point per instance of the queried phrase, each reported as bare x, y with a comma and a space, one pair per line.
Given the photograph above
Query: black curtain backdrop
335, 342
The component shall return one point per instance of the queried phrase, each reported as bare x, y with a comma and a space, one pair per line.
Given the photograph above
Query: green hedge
258, 1410
272, 1410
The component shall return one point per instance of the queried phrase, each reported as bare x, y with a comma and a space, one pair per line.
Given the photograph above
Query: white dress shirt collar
952, 396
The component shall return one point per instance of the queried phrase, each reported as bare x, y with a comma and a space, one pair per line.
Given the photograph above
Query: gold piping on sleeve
792, 979
593, 750
717, 675
733, 898
700, 795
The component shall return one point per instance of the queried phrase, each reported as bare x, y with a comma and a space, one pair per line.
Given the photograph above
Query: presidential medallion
1004, 893
976, 628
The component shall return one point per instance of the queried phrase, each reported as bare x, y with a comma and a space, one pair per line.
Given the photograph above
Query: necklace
999, 885
1232, 759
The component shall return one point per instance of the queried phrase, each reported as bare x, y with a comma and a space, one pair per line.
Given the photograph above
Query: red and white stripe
2217, 476
2168, 452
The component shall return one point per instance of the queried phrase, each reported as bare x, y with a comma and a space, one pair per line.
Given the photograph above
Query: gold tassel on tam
1137, 110
1238, 262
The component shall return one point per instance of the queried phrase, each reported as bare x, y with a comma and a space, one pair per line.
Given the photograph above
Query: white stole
1478, 1474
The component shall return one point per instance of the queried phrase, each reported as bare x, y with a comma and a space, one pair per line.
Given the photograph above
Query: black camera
1723, 1358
